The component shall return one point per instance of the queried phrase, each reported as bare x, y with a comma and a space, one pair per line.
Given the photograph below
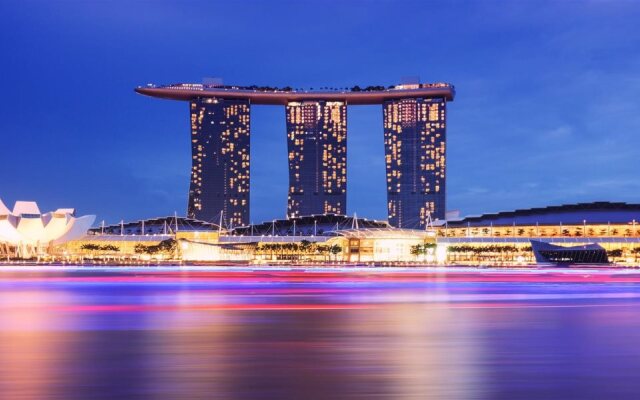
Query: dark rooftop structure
155, 226
602, 212
547, 253
311, 225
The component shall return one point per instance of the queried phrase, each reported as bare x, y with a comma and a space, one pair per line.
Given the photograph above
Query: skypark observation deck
414, 117
282, 96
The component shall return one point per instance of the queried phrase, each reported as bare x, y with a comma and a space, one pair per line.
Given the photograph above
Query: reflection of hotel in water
414, 141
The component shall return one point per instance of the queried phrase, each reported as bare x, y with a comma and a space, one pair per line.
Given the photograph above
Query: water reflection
186, 337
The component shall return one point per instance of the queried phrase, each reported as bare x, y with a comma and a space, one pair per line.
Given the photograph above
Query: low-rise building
505, 237
150, 239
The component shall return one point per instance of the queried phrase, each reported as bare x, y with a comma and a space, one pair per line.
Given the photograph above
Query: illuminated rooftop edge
270, 95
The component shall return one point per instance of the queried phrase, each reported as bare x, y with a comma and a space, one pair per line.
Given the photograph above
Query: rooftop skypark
355, 88
282, 95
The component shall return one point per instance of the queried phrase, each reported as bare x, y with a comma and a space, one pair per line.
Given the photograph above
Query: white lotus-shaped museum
26, 232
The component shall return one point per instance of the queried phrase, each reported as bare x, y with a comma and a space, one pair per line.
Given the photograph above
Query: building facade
577, 233
220, 147
415, 159
506, 237
317, 146
26, 233
414, 140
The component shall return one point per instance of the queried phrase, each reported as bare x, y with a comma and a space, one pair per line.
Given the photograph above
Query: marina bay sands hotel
414, 142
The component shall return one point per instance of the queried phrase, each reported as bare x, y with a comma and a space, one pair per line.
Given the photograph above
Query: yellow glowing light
441, 253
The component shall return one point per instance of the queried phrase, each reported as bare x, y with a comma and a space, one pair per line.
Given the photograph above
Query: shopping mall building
503, 238
506, 237
326, 238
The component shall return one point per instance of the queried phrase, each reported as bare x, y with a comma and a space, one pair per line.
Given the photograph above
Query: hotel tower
414, 143
317, 144
415, 147
220, 145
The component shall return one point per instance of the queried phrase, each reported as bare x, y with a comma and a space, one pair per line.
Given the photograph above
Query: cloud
560, 133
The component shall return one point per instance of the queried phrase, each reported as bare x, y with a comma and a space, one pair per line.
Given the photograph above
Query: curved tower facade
317, 145
415, 149
220, 151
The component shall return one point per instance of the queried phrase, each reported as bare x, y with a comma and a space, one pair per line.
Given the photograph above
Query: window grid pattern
317, 146
415, 160
220, 145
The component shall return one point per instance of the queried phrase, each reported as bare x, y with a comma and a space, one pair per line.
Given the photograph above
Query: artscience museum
26, 233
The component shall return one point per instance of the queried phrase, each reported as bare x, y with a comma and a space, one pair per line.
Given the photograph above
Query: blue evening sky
547, 108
